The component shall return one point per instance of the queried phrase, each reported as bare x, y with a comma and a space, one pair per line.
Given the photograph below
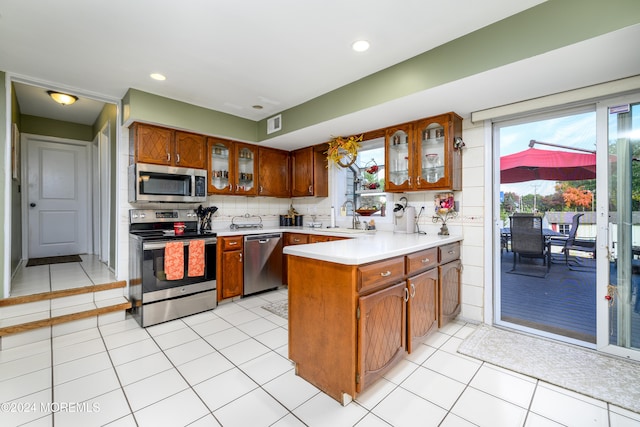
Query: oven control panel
137, 216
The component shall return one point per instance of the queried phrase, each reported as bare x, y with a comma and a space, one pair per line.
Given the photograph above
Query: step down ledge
116, 304
61, 293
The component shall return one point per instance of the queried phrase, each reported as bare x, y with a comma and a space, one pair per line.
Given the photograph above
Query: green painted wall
548, 26
56, 128
146, 107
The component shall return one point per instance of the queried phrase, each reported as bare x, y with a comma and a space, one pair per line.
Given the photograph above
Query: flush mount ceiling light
62, 98
360, 45
158, 76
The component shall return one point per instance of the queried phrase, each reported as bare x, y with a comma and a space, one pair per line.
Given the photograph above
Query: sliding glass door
546, 276
586, 289
619, 329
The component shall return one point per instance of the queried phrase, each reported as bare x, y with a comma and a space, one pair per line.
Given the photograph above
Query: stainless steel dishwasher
262, 262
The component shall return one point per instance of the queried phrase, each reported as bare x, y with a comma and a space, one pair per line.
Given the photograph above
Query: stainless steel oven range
172, 267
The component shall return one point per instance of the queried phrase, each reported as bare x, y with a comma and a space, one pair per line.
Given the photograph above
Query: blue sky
578, 130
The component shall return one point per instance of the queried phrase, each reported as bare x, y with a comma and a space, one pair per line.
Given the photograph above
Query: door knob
33, 205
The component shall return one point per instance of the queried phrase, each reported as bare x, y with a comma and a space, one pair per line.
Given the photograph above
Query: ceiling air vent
274, 124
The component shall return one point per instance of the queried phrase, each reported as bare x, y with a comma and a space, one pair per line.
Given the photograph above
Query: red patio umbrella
533, 164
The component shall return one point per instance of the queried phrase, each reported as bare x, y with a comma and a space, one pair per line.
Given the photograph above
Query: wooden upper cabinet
309, 174
420, 155
232, 167
163, 146
438, 166
190, 150
246, 169
152, 144
273, 173
399, 158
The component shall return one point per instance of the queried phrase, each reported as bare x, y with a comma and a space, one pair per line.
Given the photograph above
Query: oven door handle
161, 245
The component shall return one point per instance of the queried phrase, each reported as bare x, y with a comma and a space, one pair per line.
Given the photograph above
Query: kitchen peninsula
357, 305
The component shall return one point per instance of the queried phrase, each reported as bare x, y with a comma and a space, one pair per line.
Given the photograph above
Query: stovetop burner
148, 224
159, 235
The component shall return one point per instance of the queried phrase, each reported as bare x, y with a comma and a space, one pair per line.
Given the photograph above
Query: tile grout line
289, 411
115, 371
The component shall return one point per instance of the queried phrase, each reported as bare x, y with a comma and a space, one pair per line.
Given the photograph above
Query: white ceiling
229, 56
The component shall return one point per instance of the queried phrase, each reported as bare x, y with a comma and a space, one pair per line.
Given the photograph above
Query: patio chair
571, 243
528, 240
562, 242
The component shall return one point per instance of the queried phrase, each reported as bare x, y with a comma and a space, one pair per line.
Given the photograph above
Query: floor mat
53, 260
582, 370
279, 308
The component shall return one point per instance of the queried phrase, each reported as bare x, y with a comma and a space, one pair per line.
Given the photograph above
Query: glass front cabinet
421, 156
232, 167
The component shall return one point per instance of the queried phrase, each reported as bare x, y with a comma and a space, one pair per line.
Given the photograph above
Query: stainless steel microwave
158, 183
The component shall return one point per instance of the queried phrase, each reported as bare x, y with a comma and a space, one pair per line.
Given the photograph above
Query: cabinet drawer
231, 243
296, 239
423, 260
380, 273
449, 252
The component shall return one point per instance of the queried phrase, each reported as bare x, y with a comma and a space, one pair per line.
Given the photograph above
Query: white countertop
358, 248
367, 248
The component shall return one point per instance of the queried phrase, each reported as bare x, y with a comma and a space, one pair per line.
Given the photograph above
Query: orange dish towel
174, 260
196, 258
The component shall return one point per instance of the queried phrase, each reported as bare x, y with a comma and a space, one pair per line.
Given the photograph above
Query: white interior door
57, 197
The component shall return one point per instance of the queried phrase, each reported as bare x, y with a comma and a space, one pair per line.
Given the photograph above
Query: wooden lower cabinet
315, 238
382, 320
230, 270
449, 283
350, 324
422, 307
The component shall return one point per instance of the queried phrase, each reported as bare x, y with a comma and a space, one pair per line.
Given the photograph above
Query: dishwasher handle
262, 238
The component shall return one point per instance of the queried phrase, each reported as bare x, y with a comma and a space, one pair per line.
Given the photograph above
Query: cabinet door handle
261, 189
406, 294
413, 290
451, 252
409, 181
168, 157
233, 243
177, 158
296, 240
310, 190
230, 187
240, 256
426, 260
386, 274
418, 180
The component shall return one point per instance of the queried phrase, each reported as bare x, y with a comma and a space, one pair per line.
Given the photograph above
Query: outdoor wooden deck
563, 302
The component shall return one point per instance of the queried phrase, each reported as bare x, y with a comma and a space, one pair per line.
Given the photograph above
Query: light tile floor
229, 367
45, 278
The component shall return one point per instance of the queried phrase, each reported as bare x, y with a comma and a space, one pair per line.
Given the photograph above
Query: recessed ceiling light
158, 76
360, 45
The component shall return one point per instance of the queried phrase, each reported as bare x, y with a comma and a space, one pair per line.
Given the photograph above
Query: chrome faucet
354, 221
